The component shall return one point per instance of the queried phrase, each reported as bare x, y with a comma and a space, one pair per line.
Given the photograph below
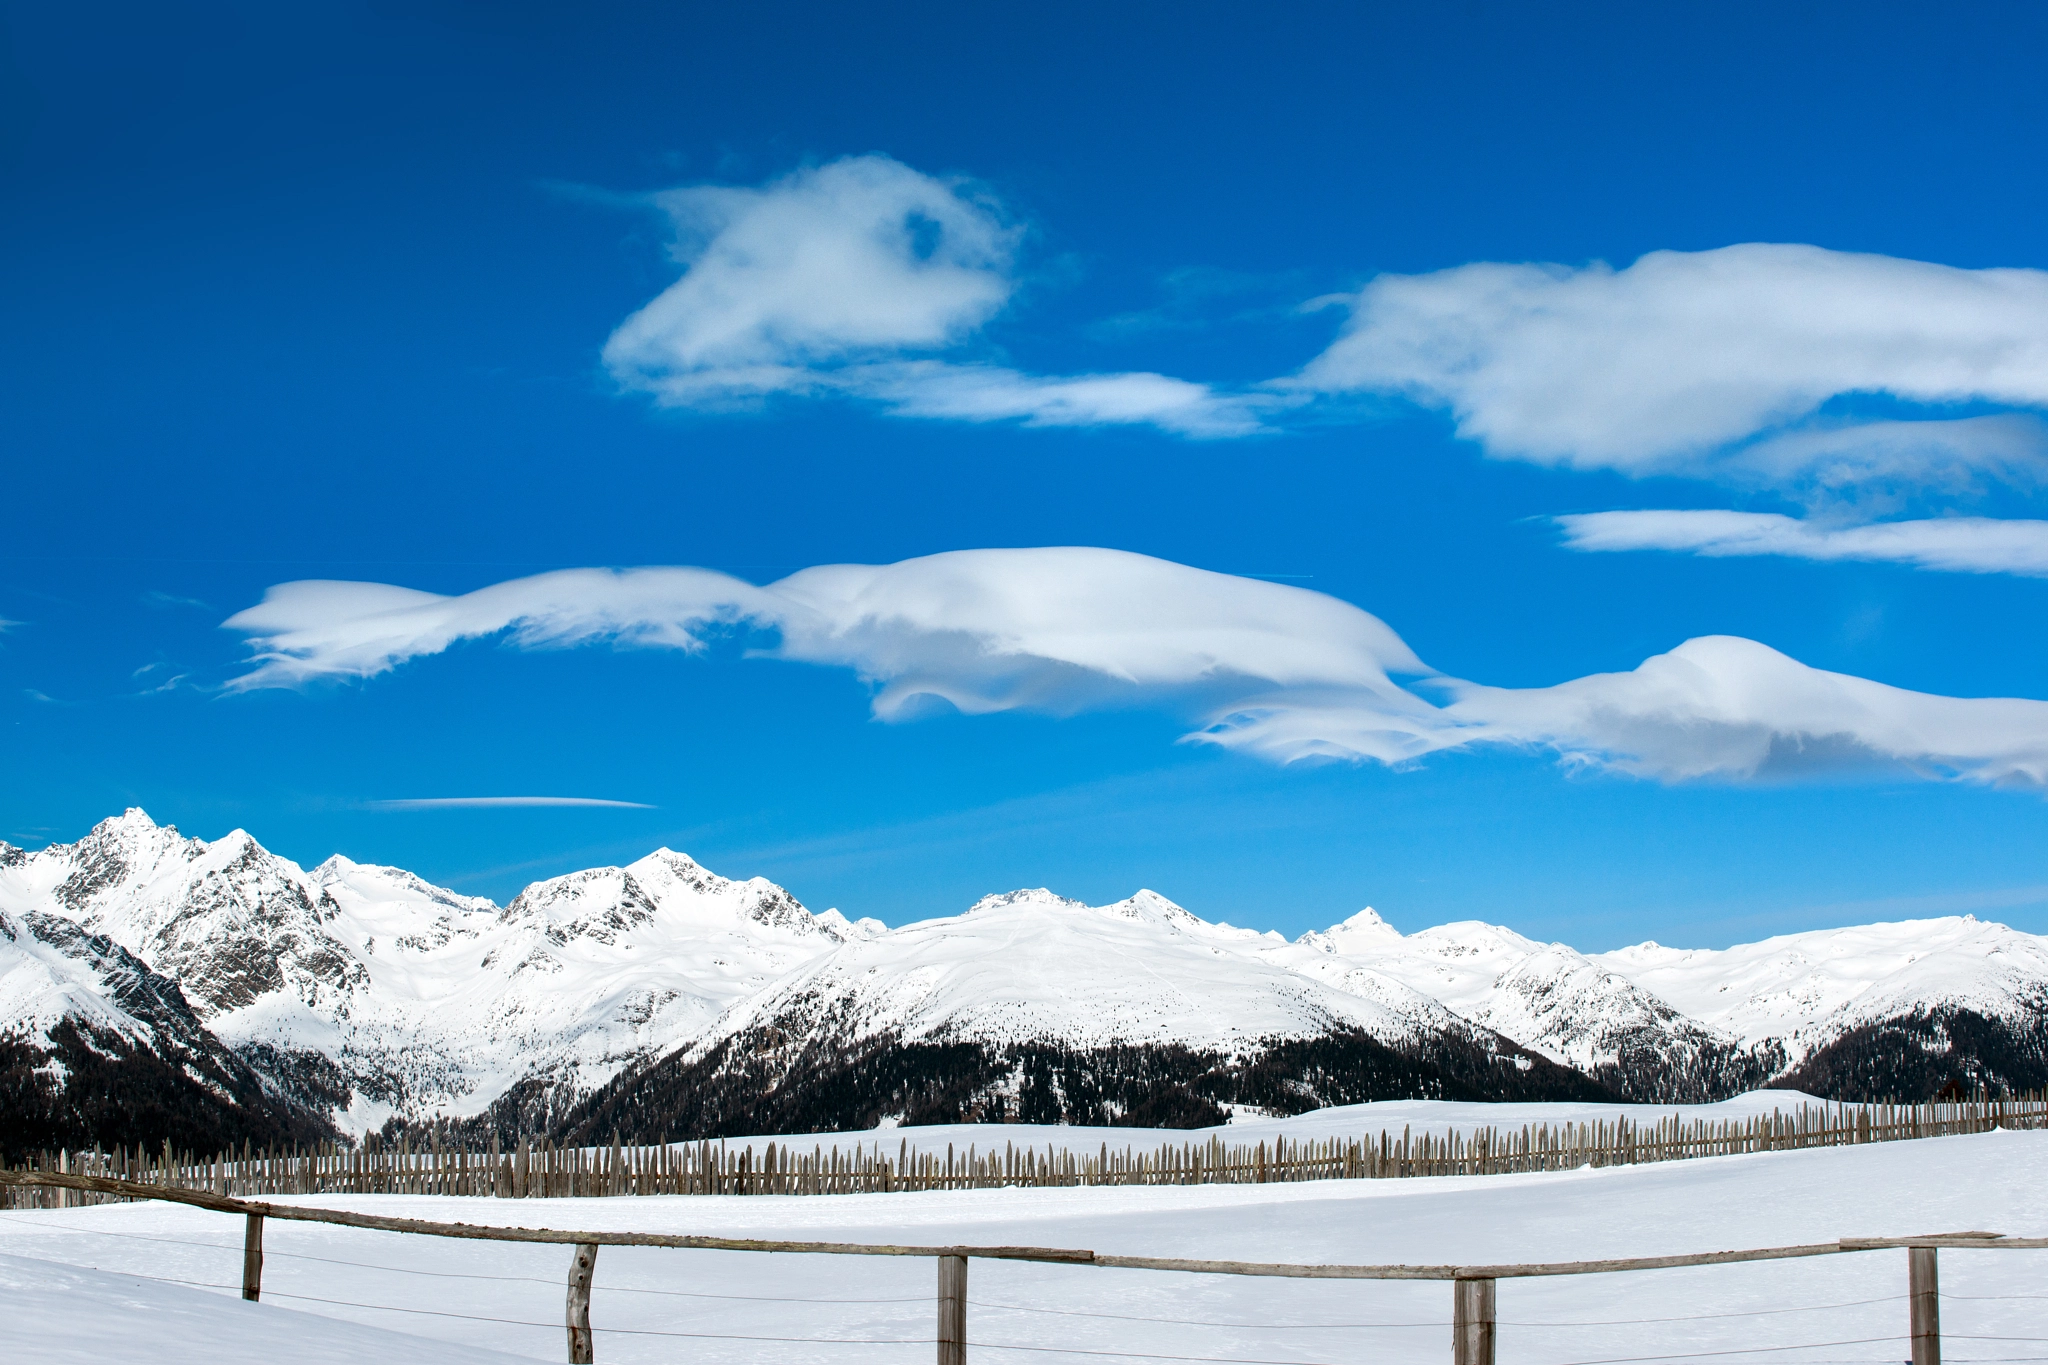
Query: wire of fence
1738, 1351
1200, 1322
446, 1274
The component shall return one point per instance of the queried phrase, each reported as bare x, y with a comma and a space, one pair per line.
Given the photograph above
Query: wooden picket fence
547, 1171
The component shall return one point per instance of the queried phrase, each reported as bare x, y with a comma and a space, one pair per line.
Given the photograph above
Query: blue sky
446, 298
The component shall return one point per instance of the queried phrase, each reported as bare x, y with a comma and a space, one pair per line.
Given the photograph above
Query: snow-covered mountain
1874, 1009
1035, 1006
661, 997
1033, 965
1550, 997
1805, 988
370, 993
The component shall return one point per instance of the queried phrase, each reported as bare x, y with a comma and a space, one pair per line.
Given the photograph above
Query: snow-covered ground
1352, 1121
69, 1290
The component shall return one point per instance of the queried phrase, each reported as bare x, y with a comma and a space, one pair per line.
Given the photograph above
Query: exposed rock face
98, 1049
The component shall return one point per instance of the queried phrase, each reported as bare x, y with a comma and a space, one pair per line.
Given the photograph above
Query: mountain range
154, 986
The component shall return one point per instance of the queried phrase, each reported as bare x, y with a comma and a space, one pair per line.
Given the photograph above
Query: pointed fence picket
543, 1170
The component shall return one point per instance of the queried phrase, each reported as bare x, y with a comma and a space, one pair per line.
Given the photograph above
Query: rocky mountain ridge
663, 1000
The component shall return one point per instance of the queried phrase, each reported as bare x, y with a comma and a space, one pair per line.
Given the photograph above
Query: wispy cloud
1955, 544
987, 393
1696, 363
170, 684
1266, 668
865, 279
168, 599
491, 802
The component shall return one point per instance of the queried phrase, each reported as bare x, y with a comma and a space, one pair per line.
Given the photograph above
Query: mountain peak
133, 822
1149, 904
1361, 931
668, 855
840, 927
1025, 896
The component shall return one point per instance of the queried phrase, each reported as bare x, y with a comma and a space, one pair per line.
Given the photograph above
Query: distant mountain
369, 995
1874, 1011
1034, 1008
1570, 1007
201, 988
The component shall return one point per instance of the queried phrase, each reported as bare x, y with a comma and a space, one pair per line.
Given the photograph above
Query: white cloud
1956, 544
494, 802
317, 628
1725, 707
864, 256
1266, 668
1057, 629
1717, 707
1066, 628
1678, 363
856, 278
986, 393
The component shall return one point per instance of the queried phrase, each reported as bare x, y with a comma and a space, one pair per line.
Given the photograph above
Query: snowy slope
1844, 1307
51, 970
1033, 966
1873, 1009
1796, 984
88, 1317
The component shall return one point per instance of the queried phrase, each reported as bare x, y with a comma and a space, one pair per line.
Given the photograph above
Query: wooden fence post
581, 1350
1923, 1299
952, 1310
252, 1259
1472, 1322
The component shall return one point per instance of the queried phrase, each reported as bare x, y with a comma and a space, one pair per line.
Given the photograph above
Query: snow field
1347, 1121
479, 1295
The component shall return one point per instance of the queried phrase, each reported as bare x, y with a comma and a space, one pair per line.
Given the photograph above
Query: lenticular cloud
1679, 362
860, 278
1271, 670
1951, 544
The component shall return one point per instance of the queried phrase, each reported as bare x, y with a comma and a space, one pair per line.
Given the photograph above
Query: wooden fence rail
1473, 1286
546, 1171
